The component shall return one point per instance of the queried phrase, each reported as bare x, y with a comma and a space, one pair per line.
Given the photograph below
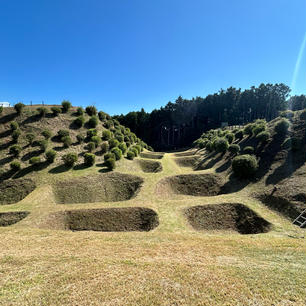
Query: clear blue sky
128, 54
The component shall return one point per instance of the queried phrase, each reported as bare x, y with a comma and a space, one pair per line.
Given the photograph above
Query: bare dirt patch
152, 155
14, 190
191, 184
105, 219
108, 187
9, 218
150, 166
227, 216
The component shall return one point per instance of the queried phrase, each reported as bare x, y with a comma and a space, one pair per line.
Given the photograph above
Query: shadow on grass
8, 118
234, 184
6, 160
81, 167
5, 133
59, 169
29, 155
31, 168
225, 166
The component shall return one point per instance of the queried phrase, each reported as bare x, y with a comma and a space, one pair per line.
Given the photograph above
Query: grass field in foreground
171, 265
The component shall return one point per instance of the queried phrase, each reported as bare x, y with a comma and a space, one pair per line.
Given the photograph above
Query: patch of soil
105, 219
9, 218
107, 187
191, 184
188, 161
226, 216
152, 155
14, 190
150, 166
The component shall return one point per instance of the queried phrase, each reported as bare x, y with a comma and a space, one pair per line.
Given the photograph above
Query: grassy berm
155, 230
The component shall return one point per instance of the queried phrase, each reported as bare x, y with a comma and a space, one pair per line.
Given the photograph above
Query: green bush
130, 155
109, 155
287, 114
282, 126
1, 109
102, 116
230, 137
66, 140
104, 147
209, 146
34, 160
15, 150
55, 110
14, 125
89, 159
19, 107
248, 150
138, 148
80, 111
91, 110
108, 124
66, 105
293, 143
70, 159
263, 136
248, 129
117, 152
113, 143
50, 156
96, 139
16, 134
244, 166
134, 150
221, 145
79, 121
106, 135
91, 133
43, 144
258, 128
42, 111
110, 163
62, 133
303, 115
46, 133
15, 165
80, 138
123, 147
239, 134
30, 138
93, 121
91, 146
234, 148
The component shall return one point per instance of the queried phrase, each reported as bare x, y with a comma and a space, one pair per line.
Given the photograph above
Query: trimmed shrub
239, 134
16, 134
15, 165
89, 159
209, 146
80, 138
30, 138
70, 159
80, 111
113, 143
15, 150
108, 124
1, 109
66, 140
293, 143
244, 166
248, 129
62, 133
130, 155
138, 148
303, 115
282, 126
104, 147
34, 160
102, 116
46, 133
134, 150
96, 139
91, 133
119, 137
66, 105
55, 110
19, 107
93, 121
106, 135
43, 144
234, 148
91, 146
258, 128
122, 147
248, 150
91, 110
263, 136
110, 164
221, 145
14, 125
230, 137
117, 152
109, 155
79, 121
42, 111
50, 156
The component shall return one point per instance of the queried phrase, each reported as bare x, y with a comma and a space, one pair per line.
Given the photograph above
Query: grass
171, 265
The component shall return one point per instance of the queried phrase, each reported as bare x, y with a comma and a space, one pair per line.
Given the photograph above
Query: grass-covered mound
185, 153
227, 216
9, 218
191, 184
106, 219
13, 191
150, 166
187, 161
108, 187
152, 155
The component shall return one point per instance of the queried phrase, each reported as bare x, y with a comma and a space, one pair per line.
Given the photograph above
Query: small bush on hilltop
96, 139
19, 107
134, 150
258, 128
248, 150
123, 147
91, 133
248, 129
43, 144
80, 111
66, 140
30, 138
106, 135
1, 109
282, 126
55, 110
230, 137
14, 125
234, 149
104, 147
130, 155
16, 134
80, 138
102, 116
66, 105
108, 156
89, 159
239, 134
117, 152
93, 121
110, 164
91, 146
221, 145
34, 160
46, 133
15, 150
50, 156
113, 143
62, 133
15, 165
70, 159
263, 136
244, 166
42, 111
91, 110
79, 121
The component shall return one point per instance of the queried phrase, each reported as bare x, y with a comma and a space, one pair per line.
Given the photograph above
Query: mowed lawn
171, 265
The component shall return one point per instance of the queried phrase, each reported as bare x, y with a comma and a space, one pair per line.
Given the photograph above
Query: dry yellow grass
171, 265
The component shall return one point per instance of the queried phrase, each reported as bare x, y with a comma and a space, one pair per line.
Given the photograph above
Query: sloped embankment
9, 218
187, 161
152, 155
105, 219
150, 166
228, 216
108, 187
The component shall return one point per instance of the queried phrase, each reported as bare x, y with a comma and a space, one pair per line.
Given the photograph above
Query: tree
19, 107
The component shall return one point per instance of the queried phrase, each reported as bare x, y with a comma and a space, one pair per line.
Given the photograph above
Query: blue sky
124, 55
